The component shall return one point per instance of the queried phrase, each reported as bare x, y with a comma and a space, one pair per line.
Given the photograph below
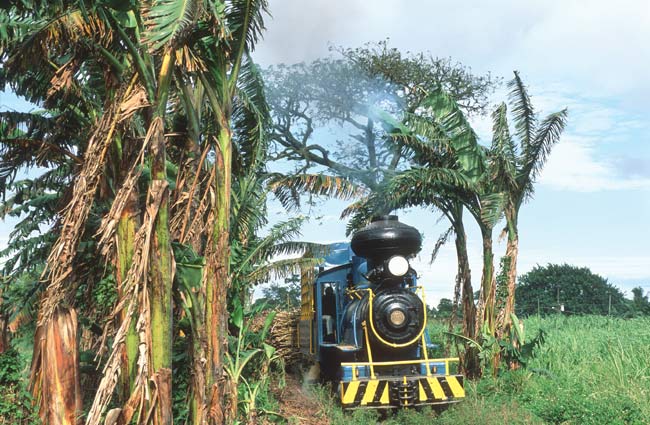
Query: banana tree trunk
161, 275
197, 399
512, 251
219, 280
57, 362
469, 361
4, 325
126, 231
454, 312
161, 267
486, 316
4, 340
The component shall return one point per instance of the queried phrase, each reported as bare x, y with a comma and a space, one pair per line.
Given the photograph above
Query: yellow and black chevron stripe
402, 392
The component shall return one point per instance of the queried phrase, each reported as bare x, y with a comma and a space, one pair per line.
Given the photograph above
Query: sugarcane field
222, 212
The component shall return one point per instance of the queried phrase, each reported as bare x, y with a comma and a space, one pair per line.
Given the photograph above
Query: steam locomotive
364, 323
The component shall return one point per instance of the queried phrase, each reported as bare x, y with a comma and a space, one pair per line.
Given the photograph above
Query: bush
15, 401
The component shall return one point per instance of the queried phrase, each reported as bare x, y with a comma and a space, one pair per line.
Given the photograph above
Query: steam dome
384, 237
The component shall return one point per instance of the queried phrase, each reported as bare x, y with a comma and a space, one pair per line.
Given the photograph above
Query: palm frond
428, 181
427, 140
413, 187
57, 34
265, 248
248, 206
246, 22
547, 135
442, 240
289, 188
250, 116
523, 112
502, 142
503, 156
281, 269
451, 120
168, 21
360, 212
492, 206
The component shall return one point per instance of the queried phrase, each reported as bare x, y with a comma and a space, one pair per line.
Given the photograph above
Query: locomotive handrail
402, 362
392, 344
428, 362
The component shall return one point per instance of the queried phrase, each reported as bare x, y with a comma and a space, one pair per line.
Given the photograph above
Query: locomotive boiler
364, 322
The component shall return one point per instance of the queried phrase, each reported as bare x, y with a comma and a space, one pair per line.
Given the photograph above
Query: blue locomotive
364, 323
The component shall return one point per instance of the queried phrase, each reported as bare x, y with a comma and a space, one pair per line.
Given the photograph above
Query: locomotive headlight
397, 317
398, 265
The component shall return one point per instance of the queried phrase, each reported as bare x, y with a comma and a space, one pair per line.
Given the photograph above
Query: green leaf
189, 267
237, 316
167, 19
269, 350
267, 325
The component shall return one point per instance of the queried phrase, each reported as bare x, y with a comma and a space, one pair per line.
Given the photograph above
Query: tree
131, 73
282, 296
640, 303
445, 308
352, 93
545, 289
449, 174
516, 162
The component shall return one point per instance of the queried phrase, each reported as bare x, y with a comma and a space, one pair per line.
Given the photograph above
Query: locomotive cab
364, 322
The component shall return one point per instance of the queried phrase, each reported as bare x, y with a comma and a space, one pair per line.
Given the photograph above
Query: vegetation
283, 296
589, 370
141, 184
354, 91
572, 290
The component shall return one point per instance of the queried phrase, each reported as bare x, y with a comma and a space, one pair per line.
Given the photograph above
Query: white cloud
600, 46
574, 165
597, 137
593, 59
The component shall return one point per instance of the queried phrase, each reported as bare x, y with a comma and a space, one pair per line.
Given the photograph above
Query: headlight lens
398, 265
397, 317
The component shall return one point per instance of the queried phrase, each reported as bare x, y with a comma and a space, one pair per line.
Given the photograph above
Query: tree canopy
355, 91
578, 289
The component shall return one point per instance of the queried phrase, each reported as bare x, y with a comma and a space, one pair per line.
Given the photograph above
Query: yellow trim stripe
370, 392
351, 392
423, 394
400, 362
436, 388
384, 397
456, 389
366, 392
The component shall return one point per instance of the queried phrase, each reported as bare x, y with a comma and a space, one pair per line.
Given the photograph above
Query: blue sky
592, 202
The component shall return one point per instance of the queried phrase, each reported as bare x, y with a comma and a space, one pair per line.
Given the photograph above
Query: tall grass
590, 370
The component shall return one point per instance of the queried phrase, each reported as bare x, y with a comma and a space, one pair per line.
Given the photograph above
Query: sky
592, 202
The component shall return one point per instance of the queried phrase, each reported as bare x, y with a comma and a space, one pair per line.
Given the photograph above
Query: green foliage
577, 288
445, 307
591, 370
282, 296
364, 91
105, 292
181, 372
249, 363
15, 400
640, 304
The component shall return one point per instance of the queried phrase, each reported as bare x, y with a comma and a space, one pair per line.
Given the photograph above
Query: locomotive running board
407, 391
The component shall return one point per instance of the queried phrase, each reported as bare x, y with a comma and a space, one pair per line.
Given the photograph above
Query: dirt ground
299, 405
